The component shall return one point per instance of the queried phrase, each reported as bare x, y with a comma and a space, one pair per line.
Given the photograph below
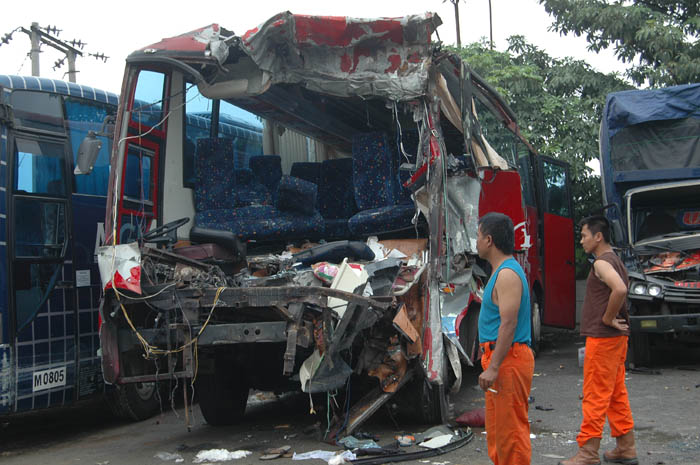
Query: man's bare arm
509, 290
618, 293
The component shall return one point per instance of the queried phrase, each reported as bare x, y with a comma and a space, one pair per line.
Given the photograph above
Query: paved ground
665, 405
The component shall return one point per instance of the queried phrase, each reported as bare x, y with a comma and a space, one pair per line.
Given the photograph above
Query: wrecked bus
650, 158
344, 258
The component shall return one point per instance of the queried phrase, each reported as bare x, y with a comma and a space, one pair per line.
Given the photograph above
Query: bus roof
60, 87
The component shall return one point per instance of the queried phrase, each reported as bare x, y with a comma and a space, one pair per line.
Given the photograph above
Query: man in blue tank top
504, 337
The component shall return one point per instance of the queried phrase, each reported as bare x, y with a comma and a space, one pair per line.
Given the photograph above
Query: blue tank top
490, 318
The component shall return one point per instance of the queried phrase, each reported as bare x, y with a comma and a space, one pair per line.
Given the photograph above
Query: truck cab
650, 151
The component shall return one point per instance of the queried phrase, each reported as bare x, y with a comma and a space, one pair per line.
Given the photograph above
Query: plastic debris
552, 456
439, 441
351, 442
532, 436
168, 457
219, 455
326, 455
325, 272
406, 440
544, 409
476, 417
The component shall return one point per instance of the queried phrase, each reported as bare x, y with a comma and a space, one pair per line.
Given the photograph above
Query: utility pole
49, 36
490, 25
34, 53
456, 5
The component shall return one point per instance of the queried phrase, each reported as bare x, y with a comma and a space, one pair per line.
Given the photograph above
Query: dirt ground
665, 403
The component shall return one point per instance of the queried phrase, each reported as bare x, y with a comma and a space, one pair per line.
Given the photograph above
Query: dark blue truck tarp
653, 136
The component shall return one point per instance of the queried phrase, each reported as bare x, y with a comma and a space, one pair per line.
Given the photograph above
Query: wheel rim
145, 390
536, 323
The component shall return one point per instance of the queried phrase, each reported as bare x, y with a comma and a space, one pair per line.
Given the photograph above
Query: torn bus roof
386, 57
341, 56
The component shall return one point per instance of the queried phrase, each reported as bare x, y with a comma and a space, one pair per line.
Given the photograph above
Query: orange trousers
507, 427
604, 390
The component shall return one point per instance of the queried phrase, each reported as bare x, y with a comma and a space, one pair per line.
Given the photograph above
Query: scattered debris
438, 442
168, 457
476, 418
644, 371
219, 455
544, 409
275, 453
531, 400
532, 436
326, 455
351, 442
552, 456
405, 440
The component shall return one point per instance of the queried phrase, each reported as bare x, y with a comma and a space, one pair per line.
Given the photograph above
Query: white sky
118, 28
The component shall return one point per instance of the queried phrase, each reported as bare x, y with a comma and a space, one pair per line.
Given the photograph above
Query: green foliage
558, 103
658, 38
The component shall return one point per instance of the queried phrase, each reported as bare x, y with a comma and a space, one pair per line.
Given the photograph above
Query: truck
341, 262
650, 175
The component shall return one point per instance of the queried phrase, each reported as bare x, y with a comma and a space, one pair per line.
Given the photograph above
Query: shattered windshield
665, 213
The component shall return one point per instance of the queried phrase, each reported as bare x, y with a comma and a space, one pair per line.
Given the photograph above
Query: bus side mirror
87, 153
618, 234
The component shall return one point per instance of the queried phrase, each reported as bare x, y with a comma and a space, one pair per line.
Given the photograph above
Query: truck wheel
134, 401
222, 398
639, 351
469, 335
535, 325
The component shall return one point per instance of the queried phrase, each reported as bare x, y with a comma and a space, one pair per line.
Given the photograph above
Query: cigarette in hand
493, 390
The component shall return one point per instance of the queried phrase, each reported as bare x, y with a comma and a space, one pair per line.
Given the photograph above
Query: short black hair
597, 224
500, 228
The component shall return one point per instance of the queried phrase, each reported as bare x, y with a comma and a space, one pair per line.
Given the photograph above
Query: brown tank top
596, 301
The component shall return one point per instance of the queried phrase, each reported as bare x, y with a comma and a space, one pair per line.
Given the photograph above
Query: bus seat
267, 170
307, 170
384, 207
336, 196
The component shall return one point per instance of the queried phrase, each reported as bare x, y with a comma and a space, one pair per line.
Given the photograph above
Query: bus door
557, 243
42, 301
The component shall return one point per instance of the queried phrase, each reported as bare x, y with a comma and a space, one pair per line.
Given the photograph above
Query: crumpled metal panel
387, 57
462, 213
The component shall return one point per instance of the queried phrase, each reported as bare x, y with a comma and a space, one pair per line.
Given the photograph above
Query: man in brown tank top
605, 323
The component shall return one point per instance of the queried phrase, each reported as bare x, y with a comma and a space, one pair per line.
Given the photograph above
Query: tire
222, 398
639, 351
536, 325
469, 334
134, 401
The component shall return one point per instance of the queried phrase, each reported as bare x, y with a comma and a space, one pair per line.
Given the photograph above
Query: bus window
37, 110
39, 167
40, 228
555, 190
198, 111
83, 116
32, 283
148, 98
138, 184
245, 129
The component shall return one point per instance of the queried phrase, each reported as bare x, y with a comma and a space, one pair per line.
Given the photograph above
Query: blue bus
51, 221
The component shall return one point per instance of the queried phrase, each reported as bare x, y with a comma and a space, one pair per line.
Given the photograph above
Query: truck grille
682, 294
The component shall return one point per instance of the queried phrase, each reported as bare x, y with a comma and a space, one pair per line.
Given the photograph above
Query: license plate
648, 323
47, 379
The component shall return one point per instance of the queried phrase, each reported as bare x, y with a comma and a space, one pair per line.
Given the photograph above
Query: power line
49, 36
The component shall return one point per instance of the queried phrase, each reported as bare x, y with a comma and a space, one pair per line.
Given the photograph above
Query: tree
559, 105
660, 35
